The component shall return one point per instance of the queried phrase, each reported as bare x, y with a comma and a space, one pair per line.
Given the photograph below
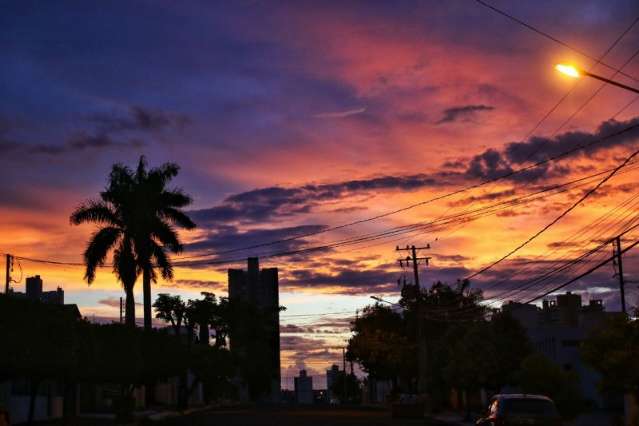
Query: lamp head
569, 70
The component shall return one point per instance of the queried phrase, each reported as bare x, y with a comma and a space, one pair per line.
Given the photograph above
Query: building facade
33, 291
255, 340
332, 375
304, 388
557, 329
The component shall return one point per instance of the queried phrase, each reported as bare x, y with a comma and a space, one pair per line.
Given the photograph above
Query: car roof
521, 396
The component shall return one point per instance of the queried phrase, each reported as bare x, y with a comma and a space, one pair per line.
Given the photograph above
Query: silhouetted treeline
44, 342
469, 348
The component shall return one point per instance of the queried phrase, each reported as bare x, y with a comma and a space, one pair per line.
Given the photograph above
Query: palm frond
95, 212
121, 181
165, 172
167, 235
101, 242
174, 198
141, 173
177, 217
163, 262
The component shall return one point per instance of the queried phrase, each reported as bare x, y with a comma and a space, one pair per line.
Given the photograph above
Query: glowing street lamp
574, 72
569, 70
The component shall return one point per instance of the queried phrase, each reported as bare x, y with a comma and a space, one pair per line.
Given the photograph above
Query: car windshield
529, 406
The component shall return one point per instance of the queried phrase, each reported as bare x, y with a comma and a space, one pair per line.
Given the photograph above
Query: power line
599, 89
506, 175
569, 92
527, 285
550, 37
625, 107
590, 228
464, 217
558, 218
407, 229
580, 276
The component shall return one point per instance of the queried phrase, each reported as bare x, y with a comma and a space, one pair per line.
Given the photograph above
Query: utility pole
121, 309
622, 284
8, 274
344, 370
422, 353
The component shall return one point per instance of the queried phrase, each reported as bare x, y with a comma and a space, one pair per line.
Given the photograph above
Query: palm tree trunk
129, 310
149, 385
146, 288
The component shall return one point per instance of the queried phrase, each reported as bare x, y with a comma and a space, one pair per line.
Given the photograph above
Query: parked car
520, 409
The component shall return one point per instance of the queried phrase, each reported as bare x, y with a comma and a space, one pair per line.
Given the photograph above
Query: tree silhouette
201, 312
157, 210
116, 229
137, 216
170, 309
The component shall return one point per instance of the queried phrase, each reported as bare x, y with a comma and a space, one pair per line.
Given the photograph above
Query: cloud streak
463, 113
341, 114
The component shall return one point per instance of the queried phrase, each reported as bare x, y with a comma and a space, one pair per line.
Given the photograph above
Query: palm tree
158, 214
137, 216
113, 216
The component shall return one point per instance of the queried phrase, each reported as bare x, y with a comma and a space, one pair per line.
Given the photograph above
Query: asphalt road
293, 416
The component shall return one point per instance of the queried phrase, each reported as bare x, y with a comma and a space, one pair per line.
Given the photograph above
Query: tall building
255, 341
34, 287
304, 388
331, 378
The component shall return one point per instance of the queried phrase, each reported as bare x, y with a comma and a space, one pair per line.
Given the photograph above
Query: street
294, 416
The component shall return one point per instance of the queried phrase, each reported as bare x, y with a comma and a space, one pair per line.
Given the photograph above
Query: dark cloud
348, 281
493, 164
512, 213
491, 196
108, 125
113, 302
452, 258
463, 113
205, 285
564, 244
222, 238
454, 164
139, 119
294, 329
263, 204
81, 141
355, 278
350, 209
299, 343
540, 148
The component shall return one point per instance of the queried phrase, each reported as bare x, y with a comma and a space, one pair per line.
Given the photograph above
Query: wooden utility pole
121, 310
8, 274
422, 350
619, 272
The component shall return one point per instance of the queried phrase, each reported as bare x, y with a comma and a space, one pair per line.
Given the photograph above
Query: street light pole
609, 81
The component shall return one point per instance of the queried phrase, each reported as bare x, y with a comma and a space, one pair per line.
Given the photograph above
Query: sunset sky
288, 118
